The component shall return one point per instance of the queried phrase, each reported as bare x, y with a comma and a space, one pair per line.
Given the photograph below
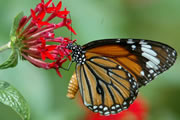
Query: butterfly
109, 72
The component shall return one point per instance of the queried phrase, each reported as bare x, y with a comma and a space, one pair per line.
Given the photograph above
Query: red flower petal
33, 14
58, 72
62, 61
61, 54
43, 23
48, 55
43, 42
69, 57
50, 9
62, 14
42, 1
48, 3
41, 16
58, 7
71, 29
22, 21
43, 56
51, 47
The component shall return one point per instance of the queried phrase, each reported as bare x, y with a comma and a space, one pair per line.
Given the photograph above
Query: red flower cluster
137, 111
36, 35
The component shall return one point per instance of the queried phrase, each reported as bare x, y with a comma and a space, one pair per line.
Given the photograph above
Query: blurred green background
96, 19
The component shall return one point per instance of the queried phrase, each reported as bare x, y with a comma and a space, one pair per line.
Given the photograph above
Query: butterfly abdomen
72, 87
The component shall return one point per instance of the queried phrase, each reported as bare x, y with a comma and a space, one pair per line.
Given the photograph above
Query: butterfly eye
69, 46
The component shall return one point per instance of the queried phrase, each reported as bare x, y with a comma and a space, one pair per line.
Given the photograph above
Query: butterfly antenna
71, 26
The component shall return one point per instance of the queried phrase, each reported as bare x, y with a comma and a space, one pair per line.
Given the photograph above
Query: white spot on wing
124, 107
142, 42
155, 74
92, 60
118, 41
119, 110
149, 51
101, 112
173, 53
104, 58
100, 106
119, 67
107, 113
151, 58
129, 75
142, 73
96, 111
113, 112
149, 64
110, 74
146, 46
130, 41
105, 108
124, 103
113, 107
151, 71
133, 47
117, 106
94, 107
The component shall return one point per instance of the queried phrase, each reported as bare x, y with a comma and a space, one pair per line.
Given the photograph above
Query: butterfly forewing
144, 59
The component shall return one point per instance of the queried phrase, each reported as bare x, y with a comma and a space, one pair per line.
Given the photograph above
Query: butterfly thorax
78, 55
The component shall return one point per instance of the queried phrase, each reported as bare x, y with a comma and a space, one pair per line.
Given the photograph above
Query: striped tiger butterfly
109, 72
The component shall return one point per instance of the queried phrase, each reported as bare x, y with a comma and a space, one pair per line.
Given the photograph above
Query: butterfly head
78, 55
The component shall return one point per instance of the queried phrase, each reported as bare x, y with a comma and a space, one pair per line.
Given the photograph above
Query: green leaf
13, 58
11, 61
15, 26
12, 98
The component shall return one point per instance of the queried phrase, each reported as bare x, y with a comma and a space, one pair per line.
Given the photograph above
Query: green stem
5, 47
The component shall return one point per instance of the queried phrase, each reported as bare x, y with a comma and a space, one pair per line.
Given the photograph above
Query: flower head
36, 38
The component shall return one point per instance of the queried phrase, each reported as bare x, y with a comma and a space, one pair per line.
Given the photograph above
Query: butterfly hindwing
105, 86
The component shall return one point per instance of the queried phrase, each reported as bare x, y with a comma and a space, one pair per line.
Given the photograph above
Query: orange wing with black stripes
106, 87
109, 72
144, 59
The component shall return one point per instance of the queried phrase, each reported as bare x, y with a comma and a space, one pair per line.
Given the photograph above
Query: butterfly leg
67, 69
